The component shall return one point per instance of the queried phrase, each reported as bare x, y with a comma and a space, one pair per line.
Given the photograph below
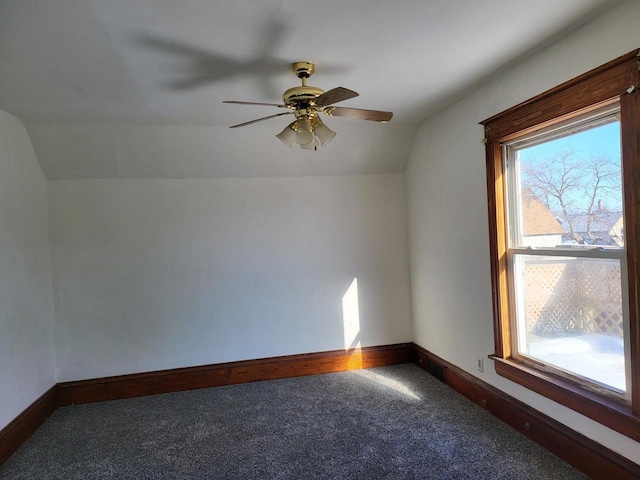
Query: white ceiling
102, 85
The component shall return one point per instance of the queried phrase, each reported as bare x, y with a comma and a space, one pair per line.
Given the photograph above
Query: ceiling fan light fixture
324, 134
287, 135
312, 145
303, 132
307, 103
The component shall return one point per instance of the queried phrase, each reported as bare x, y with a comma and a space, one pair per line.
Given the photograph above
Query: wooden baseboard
23, 426
574, 448
165, 381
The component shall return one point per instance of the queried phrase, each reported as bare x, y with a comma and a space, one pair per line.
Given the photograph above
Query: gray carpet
384, 423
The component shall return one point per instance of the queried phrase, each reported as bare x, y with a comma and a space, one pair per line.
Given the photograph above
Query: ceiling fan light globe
311, 145
287, 135
324, 134
303, 133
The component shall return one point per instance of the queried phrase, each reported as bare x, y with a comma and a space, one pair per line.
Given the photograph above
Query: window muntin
566, 252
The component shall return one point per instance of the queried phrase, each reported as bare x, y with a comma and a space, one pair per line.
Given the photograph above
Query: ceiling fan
306, 103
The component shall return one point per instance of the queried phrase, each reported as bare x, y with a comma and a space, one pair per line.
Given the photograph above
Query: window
563, 177
566, 253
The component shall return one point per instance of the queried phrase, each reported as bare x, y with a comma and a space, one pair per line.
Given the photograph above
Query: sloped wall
26, 306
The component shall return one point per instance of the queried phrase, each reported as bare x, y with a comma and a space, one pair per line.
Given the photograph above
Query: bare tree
603, 177
571, 185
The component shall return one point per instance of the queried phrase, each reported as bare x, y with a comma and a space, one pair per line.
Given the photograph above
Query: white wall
155, 274
26, 306
447, 210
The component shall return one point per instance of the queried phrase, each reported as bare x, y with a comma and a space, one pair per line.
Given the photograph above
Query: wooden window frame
615, 81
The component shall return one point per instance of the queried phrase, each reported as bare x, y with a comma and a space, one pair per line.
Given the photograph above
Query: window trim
596, 89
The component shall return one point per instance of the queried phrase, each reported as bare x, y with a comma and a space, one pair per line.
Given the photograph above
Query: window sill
606, 411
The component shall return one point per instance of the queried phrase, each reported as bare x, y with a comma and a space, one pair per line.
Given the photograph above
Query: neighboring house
602, 227
540, 226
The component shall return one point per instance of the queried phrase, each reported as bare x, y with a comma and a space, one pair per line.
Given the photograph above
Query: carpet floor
393, 422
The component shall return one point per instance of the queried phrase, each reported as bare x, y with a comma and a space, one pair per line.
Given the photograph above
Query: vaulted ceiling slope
134, 88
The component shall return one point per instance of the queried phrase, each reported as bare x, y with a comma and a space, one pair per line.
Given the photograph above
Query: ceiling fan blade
335, 95
358, 113
256, 103
260, 119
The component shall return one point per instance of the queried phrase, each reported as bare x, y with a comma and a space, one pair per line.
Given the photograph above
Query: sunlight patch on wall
351, 317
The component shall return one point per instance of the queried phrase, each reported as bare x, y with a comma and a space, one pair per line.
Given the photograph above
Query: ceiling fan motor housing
300, 97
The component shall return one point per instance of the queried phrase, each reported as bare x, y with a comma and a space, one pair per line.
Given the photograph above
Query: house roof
601, 221
537, 219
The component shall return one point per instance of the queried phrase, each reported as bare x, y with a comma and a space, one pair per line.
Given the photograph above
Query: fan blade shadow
205, 67
201, 67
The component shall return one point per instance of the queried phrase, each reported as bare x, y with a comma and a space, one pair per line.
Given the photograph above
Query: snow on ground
594, 356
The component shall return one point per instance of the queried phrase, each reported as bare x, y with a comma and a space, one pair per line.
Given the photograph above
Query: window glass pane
570, 316
570, 190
